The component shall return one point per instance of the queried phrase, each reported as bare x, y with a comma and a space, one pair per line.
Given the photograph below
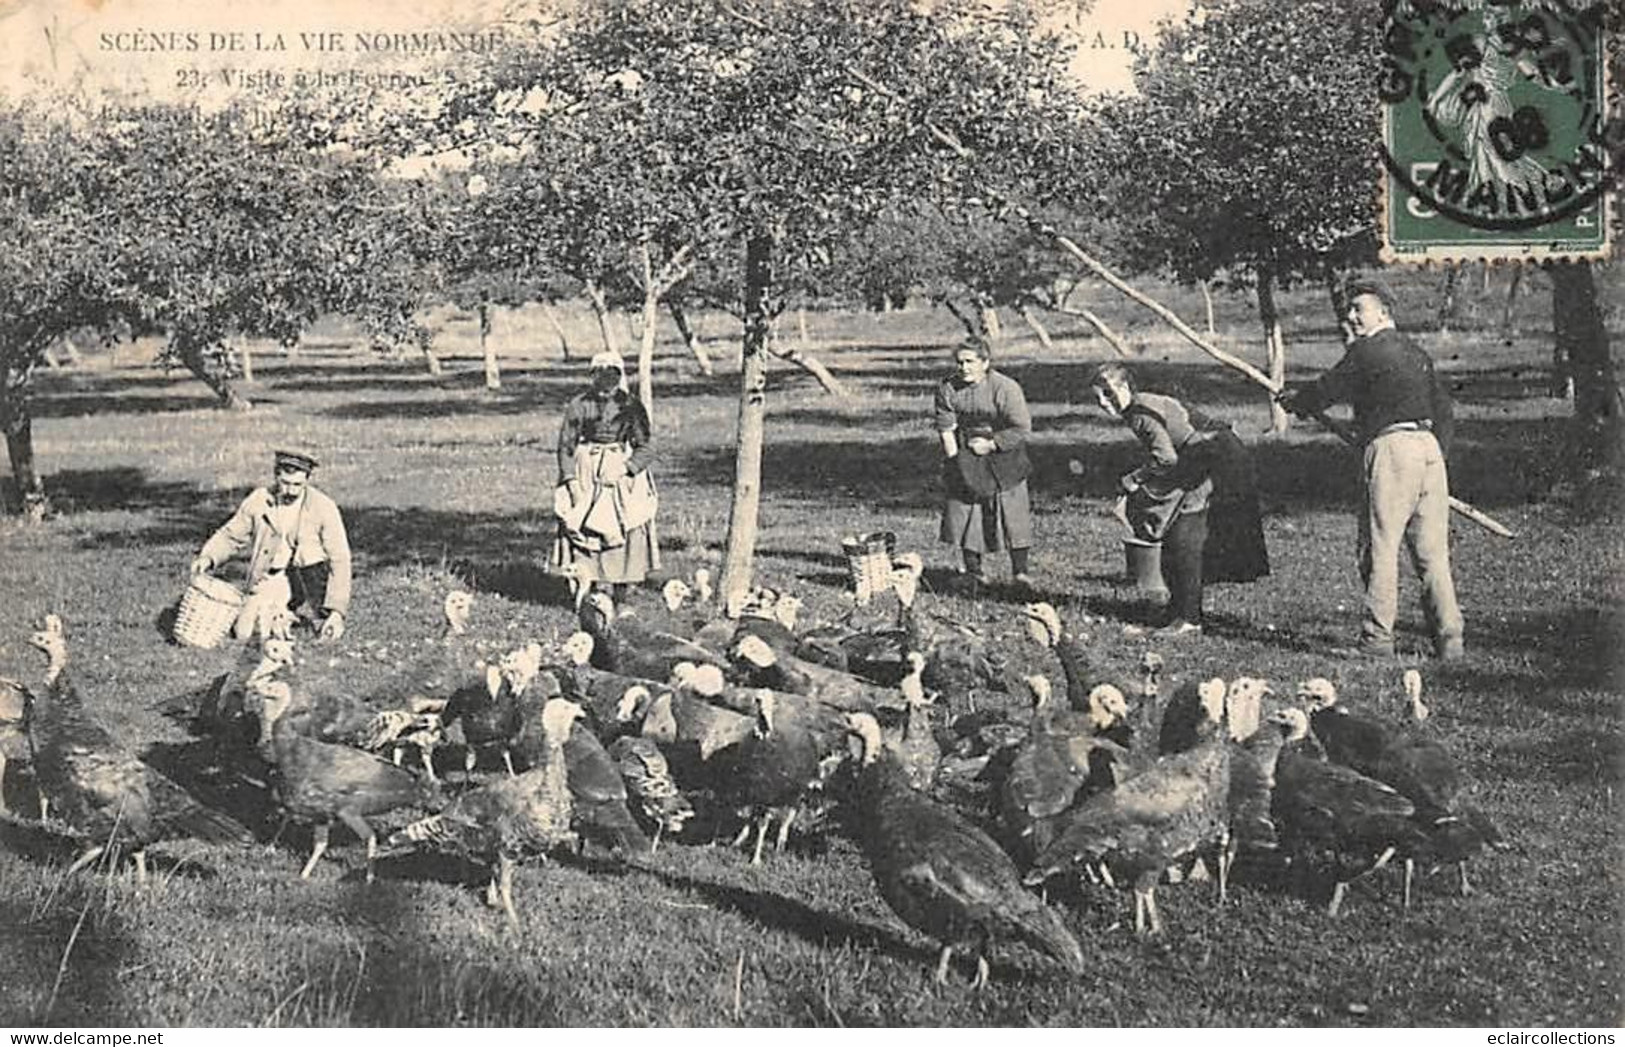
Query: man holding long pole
1403, 417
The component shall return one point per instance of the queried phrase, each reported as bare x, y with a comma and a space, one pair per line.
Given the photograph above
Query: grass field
441, 481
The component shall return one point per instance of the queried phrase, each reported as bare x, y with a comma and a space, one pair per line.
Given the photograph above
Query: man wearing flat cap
299, 555
1403, 414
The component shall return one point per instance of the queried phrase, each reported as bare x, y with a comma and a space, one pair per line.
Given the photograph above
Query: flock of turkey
974, 792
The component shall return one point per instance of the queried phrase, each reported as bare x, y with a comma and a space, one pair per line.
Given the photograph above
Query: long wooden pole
1068, 245
1230, 360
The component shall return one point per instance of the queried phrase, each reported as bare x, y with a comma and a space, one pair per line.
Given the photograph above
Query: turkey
677, 718
489, 713
960, 666
1045, 628
1046, 772
599, 692
914, 743
14, 701
650, 785
218, 708
675, 614
758, 665
508, 819
876, 652
1176, 807
339, 717
1253, 759
772, 771
622, 644
1419, 768
319, 782
941, 874
1412, 682
1331, 816
103, 792
601, 814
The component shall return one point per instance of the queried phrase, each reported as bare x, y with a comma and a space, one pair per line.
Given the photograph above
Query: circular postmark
1495, 112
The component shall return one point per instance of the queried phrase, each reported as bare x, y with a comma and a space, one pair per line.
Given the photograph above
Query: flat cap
304, 461
1355, 288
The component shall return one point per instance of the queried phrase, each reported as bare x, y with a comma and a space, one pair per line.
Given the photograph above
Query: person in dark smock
1167, 500
983, 422
606, 498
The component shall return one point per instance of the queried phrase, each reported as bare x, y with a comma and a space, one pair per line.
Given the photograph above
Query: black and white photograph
1082, 514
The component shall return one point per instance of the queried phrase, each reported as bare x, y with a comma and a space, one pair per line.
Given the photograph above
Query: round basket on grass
868, 561
208, 609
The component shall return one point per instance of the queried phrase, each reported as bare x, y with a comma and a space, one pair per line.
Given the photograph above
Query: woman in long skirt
983, 422
606, 498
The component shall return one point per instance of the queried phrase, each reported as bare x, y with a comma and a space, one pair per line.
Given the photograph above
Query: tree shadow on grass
84, 405
90, 993
780, 912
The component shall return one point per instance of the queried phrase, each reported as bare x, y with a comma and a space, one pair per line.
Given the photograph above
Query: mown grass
442, 481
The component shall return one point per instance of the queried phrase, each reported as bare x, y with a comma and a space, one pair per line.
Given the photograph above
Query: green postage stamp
1498, 142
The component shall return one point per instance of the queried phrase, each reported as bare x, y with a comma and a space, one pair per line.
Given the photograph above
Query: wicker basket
207, 611
868, 560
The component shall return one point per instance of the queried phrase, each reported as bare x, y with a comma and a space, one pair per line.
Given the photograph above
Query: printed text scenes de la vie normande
324, 41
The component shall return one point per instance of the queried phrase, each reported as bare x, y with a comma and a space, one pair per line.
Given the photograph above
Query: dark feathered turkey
941, 874
510, 818
320, 782
99, 789
1176, 807
1333, 819
770, 773
622, 645
14, 702
1418, 767
649, 783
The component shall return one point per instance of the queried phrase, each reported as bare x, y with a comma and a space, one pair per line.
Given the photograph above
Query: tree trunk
801, 327
552, 318
680, 317
973, 326
992, 330
196, 359
646, 341
600, 309
1339, 301
430, 357
1451, 306
1597, 434
17, 422
488, 351
1509, 316
1274, 345
806, 362
245, 359
646, 349
1038, 328
744, 515
1207, 303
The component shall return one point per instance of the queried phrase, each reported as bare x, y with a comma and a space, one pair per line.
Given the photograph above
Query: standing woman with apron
606, 498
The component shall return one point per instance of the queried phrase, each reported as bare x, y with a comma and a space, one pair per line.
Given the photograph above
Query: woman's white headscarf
610, 360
